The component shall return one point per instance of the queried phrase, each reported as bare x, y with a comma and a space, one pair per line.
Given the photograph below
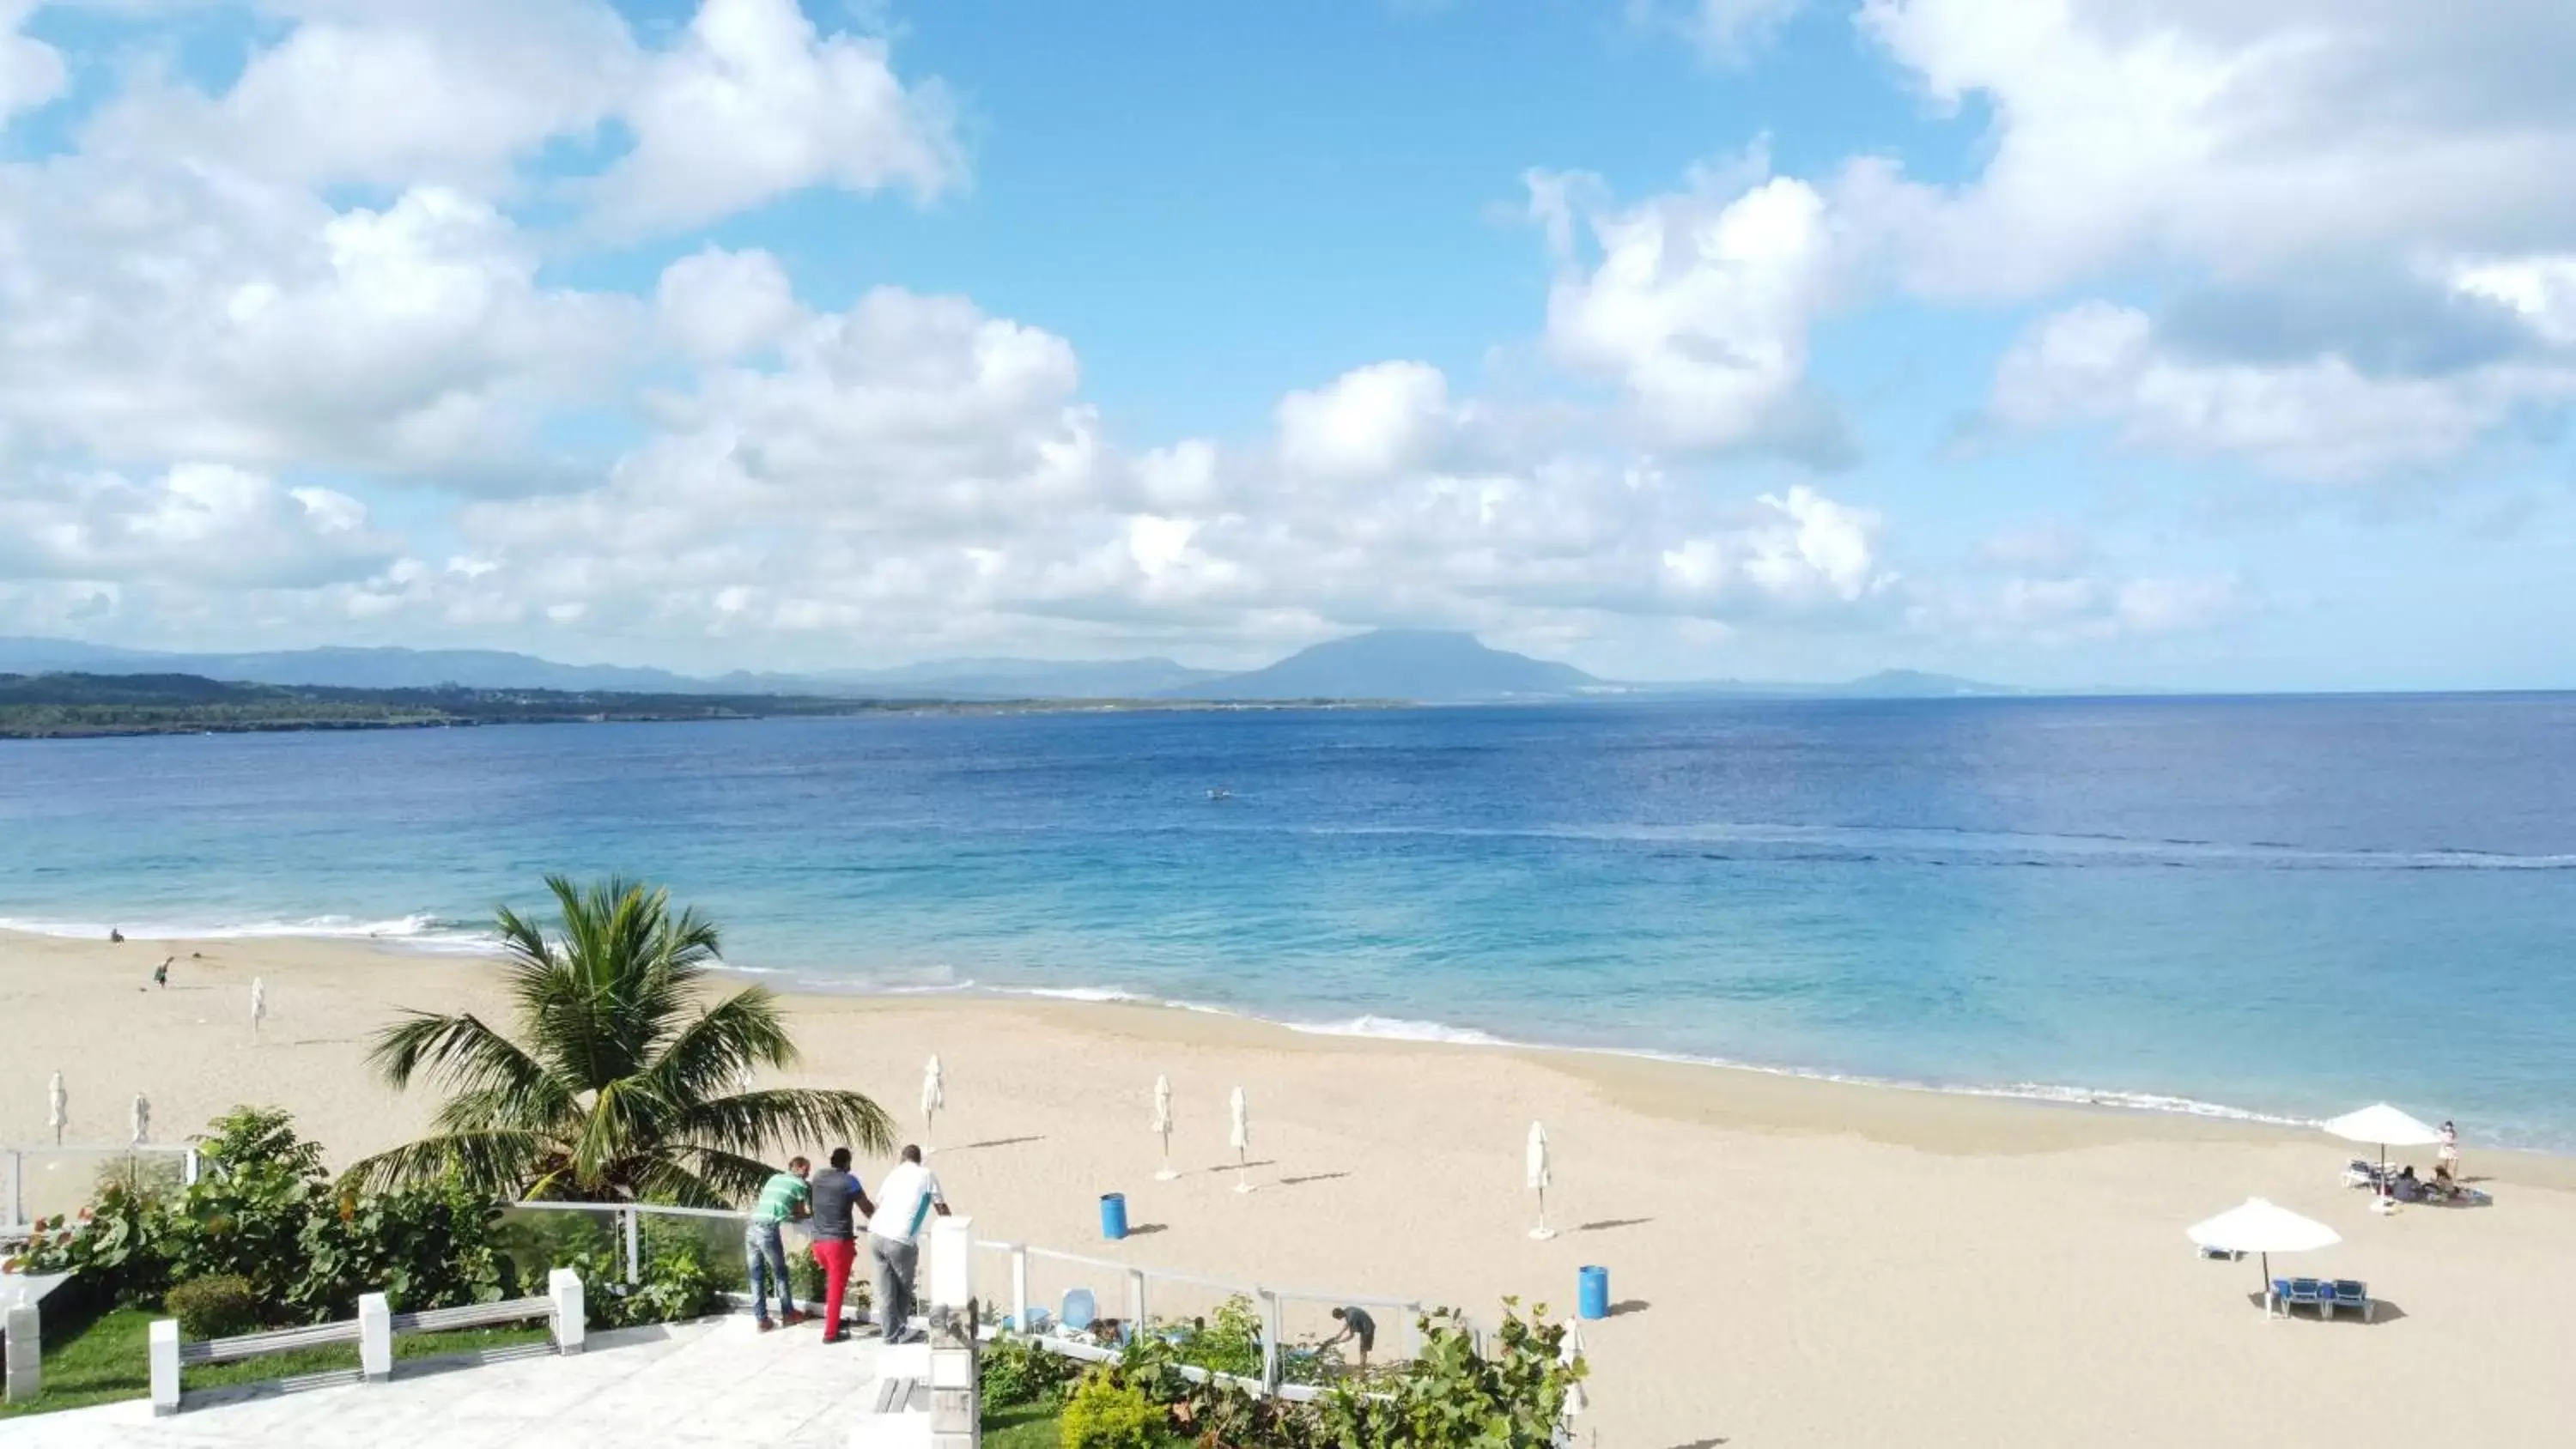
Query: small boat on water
1219, 792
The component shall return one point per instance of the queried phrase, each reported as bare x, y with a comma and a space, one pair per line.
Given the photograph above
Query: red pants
834, 1256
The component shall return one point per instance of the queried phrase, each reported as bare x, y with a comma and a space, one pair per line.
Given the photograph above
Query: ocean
2274, 907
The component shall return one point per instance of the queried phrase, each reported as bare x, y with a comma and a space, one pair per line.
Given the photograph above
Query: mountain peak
1436, 666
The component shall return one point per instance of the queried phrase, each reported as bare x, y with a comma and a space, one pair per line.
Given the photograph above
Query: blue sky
2175, 343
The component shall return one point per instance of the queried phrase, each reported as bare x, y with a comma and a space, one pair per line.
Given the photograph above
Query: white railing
1135, 1287
16, 1182
373, 1331
1138, 1292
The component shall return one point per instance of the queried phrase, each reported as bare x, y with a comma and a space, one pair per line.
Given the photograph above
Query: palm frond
496, 1161
460, 1052
722, 1046
782, 1119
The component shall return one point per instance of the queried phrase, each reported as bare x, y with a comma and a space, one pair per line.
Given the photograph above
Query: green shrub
216, 1307
1014, 1371
1107, 1412
265, 1211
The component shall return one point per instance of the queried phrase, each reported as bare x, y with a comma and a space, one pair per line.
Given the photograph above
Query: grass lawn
106, 1361
1022, 1426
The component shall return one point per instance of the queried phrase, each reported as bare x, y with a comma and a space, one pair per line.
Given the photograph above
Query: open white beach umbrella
1240, 1138
934, 1095
57, 1107
1163, 1124
258, 1003
1538, 1179
142, 1119
2262, 1228
2386, 1127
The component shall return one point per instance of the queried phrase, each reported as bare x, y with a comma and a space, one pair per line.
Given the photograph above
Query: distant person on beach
783, 1198
838, 1201
1358, 1329
161, 973
906, 1199
2447, 1157
115, 936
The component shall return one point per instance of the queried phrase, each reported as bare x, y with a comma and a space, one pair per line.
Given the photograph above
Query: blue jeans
766, 1256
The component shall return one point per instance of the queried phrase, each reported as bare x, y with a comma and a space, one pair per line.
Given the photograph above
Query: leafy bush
679, 1281
216, 1307
1455, 1396
1015, 1371
1107, 1412
1230, 1343
264, 1211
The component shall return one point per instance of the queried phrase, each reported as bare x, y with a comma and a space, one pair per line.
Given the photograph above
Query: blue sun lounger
2351, 1293
2316, 1293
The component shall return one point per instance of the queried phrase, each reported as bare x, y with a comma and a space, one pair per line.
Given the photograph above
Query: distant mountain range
1422, 666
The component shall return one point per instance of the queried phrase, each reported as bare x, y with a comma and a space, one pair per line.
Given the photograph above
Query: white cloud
1725, 31
2540, 289
149, 314
2319, 418
717, 305
753, 104
1699, 304
391, 93
31, 72
749, 103
2239, 137
2075, 606
197, 524
1371, 422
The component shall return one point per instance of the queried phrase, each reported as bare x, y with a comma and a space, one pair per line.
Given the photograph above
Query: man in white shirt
905, 1200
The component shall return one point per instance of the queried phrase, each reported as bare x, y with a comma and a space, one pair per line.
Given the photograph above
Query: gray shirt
836, 1194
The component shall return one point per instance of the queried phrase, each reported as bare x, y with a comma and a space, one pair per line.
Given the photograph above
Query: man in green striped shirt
784, 1197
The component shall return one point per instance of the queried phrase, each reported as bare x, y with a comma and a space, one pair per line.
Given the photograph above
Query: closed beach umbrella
57, 1107
1163, 1125
2386, 1127
142, 1119
934, 1095
1538, 1179
1240, 1138
2262, 1228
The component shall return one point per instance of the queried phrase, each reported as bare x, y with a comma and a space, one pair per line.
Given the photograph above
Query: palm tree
626, 1081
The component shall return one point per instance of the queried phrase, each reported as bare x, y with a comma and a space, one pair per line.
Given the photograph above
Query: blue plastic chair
1079, 1310
2313, 1292
2351, 1293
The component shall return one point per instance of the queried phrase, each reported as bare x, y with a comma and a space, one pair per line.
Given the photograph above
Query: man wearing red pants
836, 1193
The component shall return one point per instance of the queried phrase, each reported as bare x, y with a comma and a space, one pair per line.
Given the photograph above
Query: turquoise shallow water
2277, 906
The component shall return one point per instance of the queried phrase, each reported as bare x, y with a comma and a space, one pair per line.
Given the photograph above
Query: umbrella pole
2267, 1285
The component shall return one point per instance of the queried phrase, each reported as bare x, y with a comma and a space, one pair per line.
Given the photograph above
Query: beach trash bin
1592, 1292
1113, 1215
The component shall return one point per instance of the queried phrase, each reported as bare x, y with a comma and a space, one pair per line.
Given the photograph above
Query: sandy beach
1796, 1262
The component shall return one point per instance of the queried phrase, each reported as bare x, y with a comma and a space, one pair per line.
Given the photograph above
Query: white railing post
1272, 1359
188, 1169
635, 1250
1020, 1287
23, 1372
164, 1348
563, 1285
375, 1338
1136, 1299
1413, 1330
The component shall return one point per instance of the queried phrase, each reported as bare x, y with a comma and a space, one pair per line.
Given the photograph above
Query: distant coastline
92, 706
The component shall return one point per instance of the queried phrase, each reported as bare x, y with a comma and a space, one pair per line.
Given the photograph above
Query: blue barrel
1113, 1215
1592, 1292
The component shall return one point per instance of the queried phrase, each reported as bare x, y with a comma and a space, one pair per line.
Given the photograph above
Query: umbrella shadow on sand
2381, 1311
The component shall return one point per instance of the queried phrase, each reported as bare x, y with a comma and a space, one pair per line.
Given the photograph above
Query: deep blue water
2289, 906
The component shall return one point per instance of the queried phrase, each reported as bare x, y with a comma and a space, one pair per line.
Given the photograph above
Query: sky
2177, 343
